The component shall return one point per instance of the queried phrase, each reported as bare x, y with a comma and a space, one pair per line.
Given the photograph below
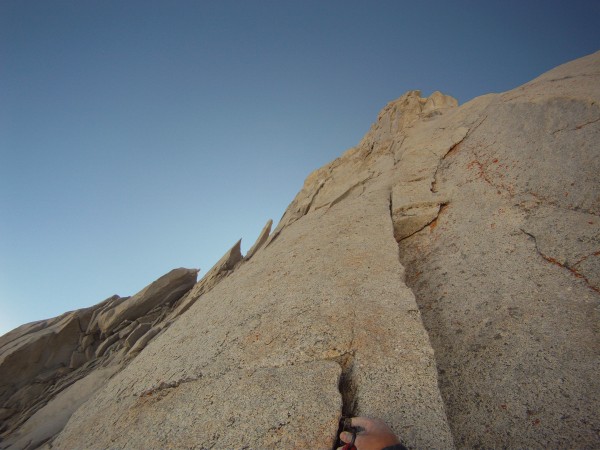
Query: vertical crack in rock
395, 149
390, 207
552, 260
348, 389
415, 200
432, 223
347, 385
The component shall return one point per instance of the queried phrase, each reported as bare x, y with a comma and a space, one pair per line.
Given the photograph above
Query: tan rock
442, 275
87, 341
362, 321
168, 288
224, 267
40, 360
36, 350
141, 343
49, 420
414, 206
437, 102
101, 350
260, 241
166, 416
107, 304
24, 397
140, 331
124, 332
90, 352
78, 359
510, 305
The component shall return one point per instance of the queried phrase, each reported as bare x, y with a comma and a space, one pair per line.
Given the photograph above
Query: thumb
345, 436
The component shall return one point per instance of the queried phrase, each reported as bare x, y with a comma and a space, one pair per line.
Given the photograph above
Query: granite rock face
167, 289
442, 275
49, 368
507, 276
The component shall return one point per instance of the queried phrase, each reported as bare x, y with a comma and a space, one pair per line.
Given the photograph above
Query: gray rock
567, 238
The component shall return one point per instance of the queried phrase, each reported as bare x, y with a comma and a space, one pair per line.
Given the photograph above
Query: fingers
363, 422
345, 436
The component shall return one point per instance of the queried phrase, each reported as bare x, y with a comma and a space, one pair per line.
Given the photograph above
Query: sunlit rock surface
442, 275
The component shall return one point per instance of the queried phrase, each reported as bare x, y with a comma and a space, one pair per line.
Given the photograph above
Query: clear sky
140, 136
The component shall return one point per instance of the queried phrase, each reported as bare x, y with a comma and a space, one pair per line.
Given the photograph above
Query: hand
374, 434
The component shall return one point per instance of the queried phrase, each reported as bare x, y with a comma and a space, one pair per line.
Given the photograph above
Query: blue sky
140, 136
